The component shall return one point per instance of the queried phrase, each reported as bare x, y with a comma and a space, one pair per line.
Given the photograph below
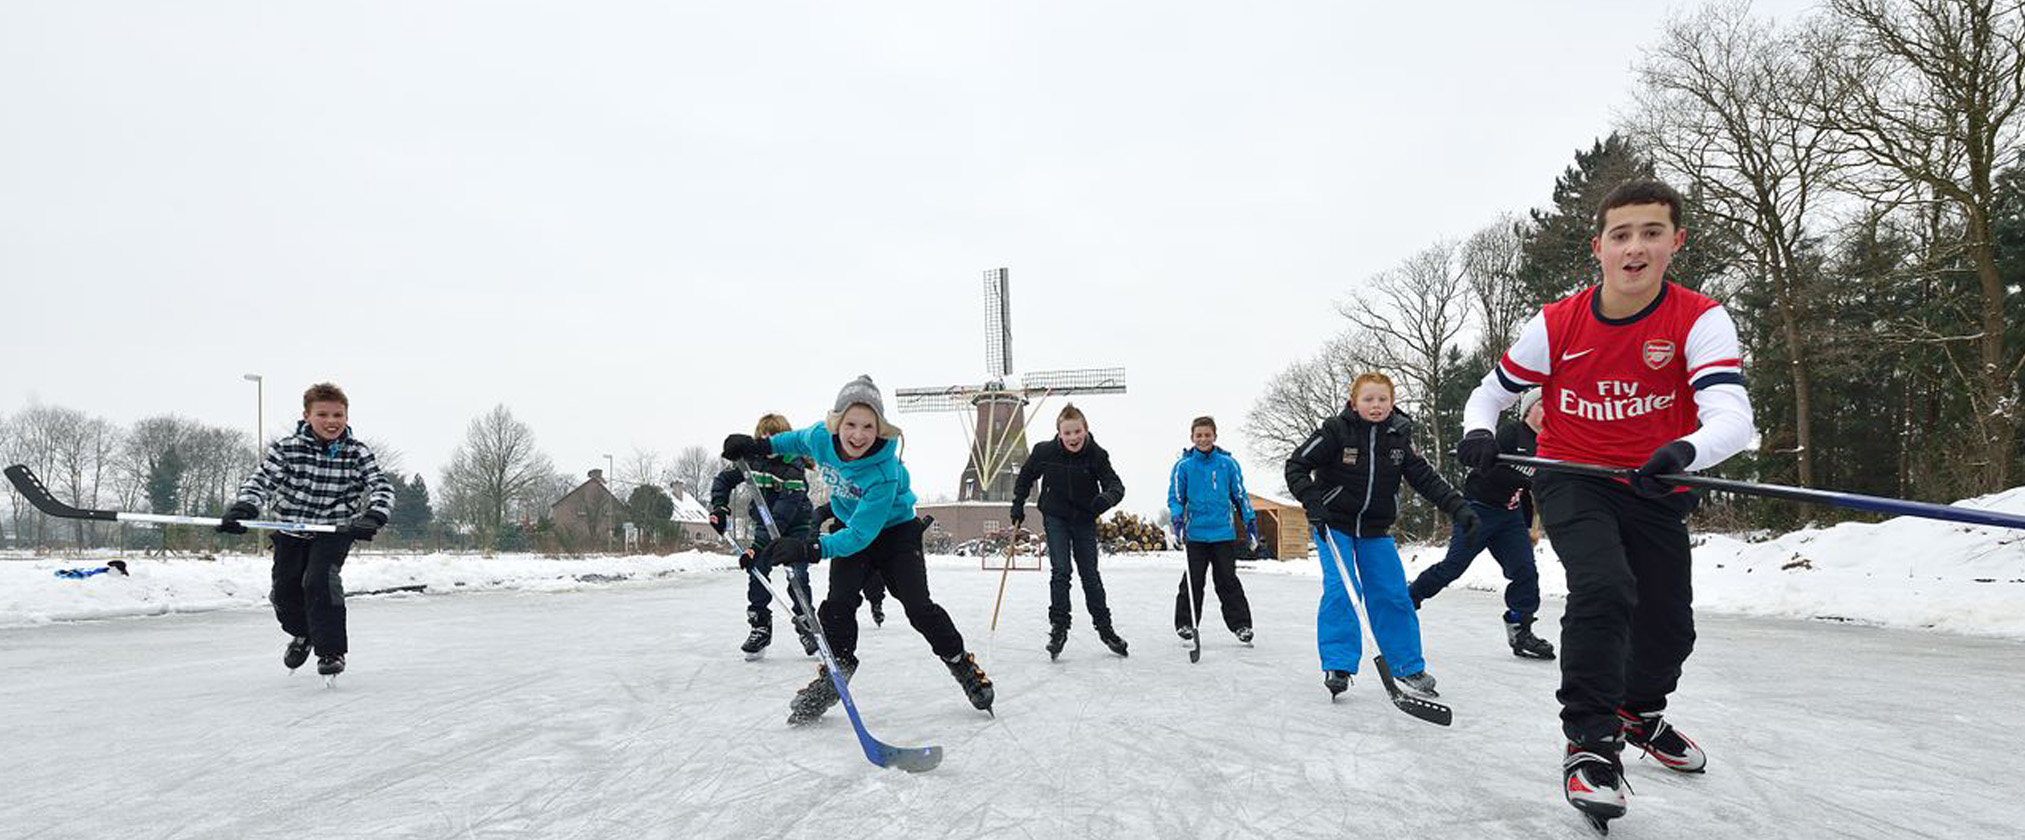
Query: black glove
1102, 504
1318, 514
365, 527
1019, 515
740, 447
720, 518
1478, 450
791, 550
745, 559
826, 519
1467, 520
1671, 458
238, 511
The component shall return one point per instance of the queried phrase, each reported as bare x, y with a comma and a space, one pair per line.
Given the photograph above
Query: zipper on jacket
1371, 457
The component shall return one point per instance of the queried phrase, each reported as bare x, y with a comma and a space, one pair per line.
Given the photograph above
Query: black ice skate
1593, 782
330, 667
802, 632
976, 685
1524, 644
1111, 640
818, 696
878, 613
1058, 636
1187, 634
761, 636
296, 653
1337, 682
1244, 636
1650, 732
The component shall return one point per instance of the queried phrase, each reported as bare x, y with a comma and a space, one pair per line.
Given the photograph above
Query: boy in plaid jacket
320, 475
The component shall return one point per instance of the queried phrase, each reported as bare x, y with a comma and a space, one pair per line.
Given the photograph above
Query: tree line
1856, 197
494, 494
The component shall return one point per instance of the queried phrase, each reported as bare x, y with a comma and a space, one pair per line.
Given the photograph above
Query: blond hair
770, 425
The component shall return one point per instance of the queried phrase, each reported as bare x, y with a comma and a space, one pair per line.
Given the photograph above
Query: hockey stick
1188, 593
1422, 708
910, 759
31, 488
1854, 501
1011, 550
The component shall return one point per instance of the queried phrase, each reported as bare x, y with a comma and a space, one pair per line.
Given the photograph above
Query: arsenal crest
1658, 352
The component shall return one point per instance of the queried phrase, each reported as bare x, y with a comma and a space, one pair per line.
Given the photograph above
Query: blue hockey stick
1855, 501
910, 759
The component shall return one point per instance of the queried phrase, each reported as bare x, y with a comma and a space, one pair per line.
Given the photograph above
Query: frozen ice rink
627, 711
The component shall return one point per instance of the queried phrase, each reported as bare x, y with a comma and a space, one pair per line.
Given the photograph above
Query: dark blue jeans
1073, 542
756, 596
1504, 532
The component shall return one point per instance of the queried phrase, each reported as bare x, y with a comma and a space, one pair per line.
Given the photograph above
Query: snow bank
31, 593
1905, 573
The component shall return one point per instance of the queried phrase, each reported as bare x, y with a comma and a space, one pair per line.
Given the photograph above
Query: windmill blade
948, 398
1080, 381
997, 324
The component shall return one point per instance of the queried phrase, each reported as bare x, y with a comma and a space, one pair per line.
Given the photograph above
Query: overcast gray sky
641, 224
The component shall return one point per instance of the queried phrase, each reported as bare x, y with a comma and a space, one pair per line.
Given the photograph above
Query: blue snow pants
1380, 581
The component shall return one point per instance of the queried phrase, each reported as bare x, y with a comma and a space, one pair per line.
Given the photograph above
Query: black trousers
896, 557
1072, 543
1630, 621
1217, 561
309, 594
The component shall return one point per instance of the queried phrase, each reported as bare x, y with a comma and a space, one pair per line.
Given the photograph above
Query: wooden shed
1283, 527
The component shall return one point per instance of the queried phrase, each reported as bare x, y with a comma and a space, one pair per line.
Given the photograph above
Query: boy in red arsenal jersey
1638, 373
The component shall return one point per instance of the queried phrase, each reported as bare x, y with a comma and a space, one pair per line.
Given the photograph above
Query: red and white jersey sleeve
1617, 389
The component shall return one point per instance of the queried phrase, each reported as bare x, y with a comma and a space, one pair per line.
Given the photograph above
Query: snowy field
569, 706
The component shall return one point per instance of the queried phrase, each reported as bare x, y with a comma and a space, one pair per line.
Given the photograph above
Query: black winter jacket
781, 485
1507, 486
1350, 469
1074, 485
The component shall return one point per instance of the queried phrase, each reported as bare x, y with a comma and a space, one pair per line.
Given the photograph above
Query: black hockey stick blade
31, 488
1422, 708
1195, 652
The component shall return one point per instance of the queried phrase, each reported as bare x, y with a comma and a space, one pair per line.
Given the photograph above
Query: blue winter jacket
868, 495
1201, 491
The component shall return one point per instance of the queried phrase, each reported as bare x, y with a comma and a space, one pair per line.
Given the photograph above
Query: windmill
998, 438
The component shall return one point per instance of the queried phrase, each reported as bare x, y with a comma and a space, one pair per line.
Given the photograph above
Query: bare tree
497, 466
1490, 263
1929, 92
641, 467
391, 459
1302, 396
695, 468
1413, 314
1721, 105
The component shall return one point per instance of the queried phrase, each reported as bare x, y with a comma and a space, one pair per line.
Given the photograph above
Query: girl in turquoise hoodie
858, 453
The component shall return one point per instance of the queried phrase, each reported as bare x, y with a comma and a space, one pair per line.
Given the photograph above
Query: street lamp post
259, 412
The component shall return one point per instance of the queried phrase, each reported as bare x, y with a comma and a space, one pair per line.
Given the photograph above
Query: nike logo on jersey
1567, 356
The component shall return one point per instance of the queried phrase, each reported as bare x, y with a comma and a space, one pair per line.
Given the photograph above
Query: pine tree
1556, 260
412, 512
165, 480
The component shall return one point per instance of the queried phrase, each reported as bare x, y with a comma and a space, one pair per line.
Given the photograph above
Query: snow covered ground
625, 710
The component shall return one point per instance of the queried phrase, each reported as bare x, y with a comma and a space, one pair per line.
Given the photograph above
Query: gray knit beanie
861, 391
1527, 400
